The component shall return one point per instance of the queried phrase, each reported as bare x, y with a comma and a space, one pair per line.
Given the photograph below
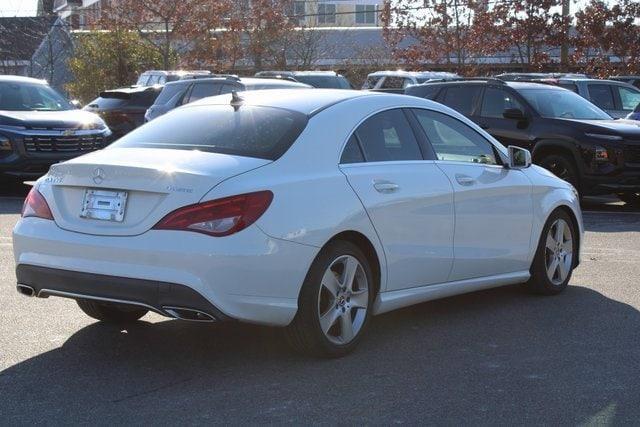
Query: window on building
299, 12
326, 13
365, 14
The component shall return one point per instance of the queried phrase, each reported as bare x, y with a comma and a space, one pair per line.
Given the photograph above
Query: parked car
39, 127
161, 77
616, 98
124, 109
307, 209
567, 134
397, 81
318, 79
632, 80
514, 77
183, 92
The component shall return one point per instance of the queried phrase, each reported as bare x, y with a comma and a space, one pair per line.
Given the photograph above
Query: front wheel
115, 313
562, 167
555, 257
335, 302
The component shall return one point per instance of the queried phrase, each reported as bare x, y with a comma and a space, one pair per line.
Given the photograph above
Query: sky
18, 7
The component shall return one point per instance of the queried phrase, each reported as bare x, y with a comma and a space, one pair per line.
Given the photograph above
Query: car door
493, 204
508, 130
408, 199
602, 95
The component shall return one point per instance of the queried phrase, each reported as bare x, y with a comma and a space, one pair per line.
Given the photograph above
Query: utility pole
564, 49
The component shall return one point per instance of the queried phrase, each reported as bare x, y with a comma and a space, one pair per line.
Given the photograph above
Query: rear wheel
555, 257
115, 313
563, 167
335, 302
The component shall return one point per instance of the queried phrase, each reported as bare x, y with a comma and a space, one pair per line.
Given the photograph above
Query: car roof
491, 81
297, 73
306, 101
21, 79
425, 74
242, 80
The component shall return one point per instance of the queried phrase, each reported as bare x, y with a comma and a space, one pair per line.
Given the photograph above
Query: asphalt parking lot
495, 357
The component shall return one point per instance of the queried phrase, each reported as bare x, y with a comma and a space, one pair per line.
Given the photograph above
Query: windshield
250, 131
31, 97
562, 104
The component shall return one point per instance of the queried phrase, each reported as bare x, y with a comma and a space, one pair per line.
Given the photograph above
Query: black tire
540, 283
305, 333
631, 199
113, 313
563, 167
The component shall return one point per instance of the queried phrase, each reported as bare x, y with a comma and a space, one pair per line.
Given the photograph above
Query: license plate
104, 205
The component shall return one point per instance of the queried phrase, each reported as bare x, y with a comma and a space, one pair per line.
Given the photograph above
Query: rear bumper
247, 276
160, 297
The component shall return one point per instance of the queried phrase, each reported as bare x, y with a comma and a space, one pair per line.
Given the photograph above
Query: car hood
68, 119
626, 128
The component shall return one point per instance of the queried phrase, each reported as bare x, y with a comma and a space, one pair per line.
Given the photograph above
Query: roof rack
468, 79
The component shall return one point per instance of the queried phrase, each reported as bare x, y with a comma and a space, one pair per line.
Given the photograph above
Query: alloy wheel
343, 300
559, 252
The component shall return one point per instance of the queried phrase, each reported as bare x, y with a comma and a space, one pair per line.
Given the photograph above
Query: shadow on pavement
495, 357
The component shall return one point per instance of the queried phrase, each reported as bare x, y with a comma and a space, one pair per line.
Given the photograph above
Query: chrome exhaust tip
26, 290
189, 314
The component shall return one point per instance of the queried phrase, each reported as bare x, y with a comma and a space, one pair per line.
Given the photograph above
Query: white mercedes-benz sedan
307, 209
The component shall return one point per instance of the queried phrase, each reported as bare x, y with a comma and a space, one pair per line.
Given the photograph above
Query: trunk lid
156, 182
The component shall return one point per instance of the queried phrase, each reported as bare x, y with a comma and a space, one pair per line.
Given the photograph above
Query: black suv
566, 134
39, 127
183, 92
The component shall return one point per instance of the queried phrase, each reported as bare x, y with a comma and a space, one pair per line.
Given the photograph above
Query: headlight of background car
5, 144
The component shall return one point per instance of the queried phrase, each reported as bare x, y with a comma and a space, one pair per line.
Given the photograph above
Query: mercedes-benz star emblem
98, 176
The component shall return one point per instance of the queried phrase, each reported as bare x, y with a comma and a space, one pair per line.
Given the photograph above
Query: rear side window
462, 98
570, 86
371, 82
388, 136
250, 131
352, 152
202, 90
169, 92
393, 82
602, 96
143, 99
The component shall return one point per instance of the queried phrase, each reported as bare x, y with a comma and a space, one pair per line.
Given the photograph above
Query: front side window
630, 98
31, 97
387, 136
365, 14
452, 140
602, 96
371, 82
249, 131
326, 13
562, 104
496, 101
462, 98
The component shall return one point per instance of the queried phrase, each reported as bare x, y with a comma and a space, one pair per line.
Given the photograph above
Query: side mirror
513, 113
76, 104
519, 158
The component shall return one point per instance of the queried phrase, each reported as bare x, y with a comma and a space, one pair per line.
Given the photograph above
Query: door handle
385, 187
465, 180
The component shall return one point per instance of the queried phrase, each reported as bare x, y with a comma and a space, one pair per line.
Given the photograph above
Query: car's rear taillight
36, 206
220, 217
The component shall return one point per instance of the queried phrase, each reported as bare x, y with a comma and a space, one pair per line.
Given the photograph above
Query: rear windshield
324, 82
249, 131
116, 99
